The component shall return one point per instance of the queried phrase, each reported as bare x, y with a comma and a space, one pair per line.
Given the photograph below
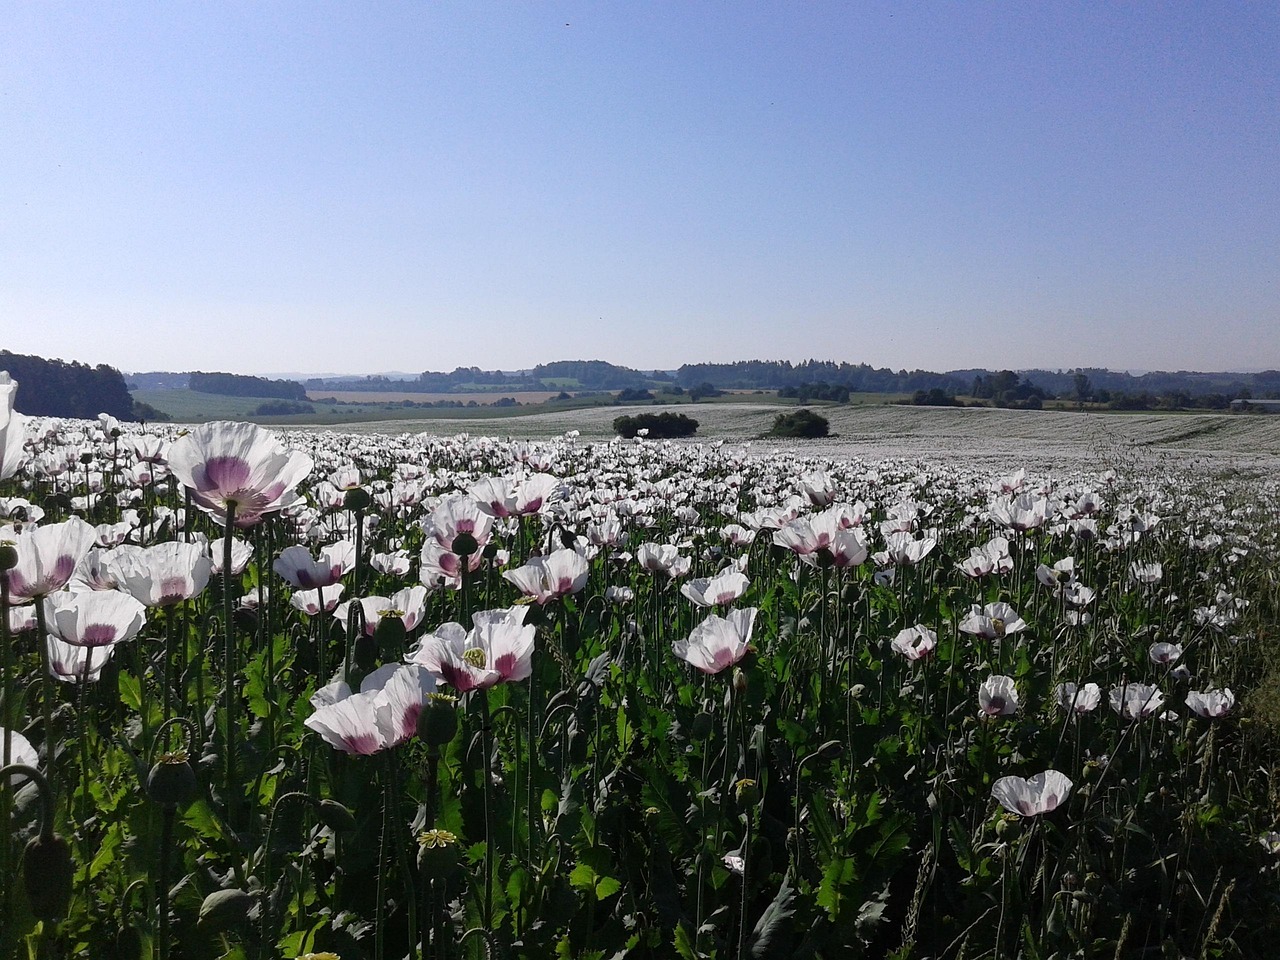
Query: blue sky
357, 187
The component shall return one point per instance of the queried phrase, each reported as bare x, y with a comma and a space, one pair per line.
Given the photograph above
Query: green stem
229, 669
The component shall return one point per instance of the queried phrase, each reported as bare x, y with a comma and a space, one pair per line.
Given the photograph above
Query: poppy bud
335, 816
245, 619
357, 499
224, 909
739, 681
171, 780
1008, 827
702, 726
48, 871
831, 750
437, 853
490, 550
366, 651
438, 721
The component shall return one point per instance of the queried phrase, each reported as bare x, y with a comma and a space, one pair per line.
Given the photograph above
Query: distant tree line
55, 388
238, 385
808, 392
810, 379
780, 374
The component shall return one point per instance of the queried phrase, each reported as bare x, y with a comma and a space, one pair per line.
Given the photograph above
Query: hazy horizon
253, 188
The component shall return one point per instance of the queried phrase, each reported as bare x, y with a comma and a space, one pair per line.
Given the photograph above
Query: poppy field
319, 694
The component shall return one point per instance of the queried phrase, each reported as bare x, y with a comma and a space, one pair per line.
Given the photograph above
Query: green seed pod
438, 852
438, 721
172, 781
224, 909
390, 636
48, 872
490, 550
357, 499
335, 816
747, 793
8, 555
464, 545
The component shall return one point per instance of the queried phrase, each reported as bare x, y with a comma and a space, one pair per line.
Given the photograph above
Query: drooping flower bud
48, 871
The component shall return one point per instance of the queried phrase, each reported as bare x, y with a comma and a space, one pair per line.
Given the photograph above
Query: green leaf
768, 936
837, 876
684, 942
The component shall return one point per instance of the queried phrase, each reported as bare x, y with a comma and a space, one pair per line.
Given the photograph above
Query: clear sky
359, 187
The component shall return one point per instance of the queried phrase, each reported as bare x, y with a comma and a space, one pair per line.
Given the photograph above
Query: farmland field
485, 398
953, 682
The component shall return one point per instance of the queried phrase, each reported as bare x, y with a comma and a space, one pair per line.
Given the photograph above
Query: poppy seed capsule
356, 499
464, 545
390, 636
48, 870
171, 780
438, 720
437, 853
8, 556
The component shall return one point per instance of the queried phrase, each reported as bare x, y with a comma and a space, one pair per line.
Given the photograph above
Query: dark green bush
801, 423
659, 425
280, 408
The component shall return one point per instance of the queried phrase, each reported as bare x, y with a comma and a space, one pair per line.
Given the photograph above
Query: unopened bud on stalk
366, 653
48, 871
224, 909
831, 750
702, 724
335, 816
739, 681
490, 551
246, 620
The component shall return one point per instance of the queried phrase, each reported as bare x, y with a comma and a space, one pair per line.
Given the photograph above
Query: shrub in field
657, 425
274, 408
800, 423
403, 695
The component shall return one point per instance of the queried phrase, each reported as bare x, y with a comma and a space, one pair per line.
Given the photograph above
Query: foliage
808, 392
281, 408
800, 423
656, 425
55, 388
238, 385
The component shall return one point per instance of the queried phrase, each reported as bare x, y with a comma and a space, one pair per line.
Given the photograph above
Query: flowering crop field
393, 695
